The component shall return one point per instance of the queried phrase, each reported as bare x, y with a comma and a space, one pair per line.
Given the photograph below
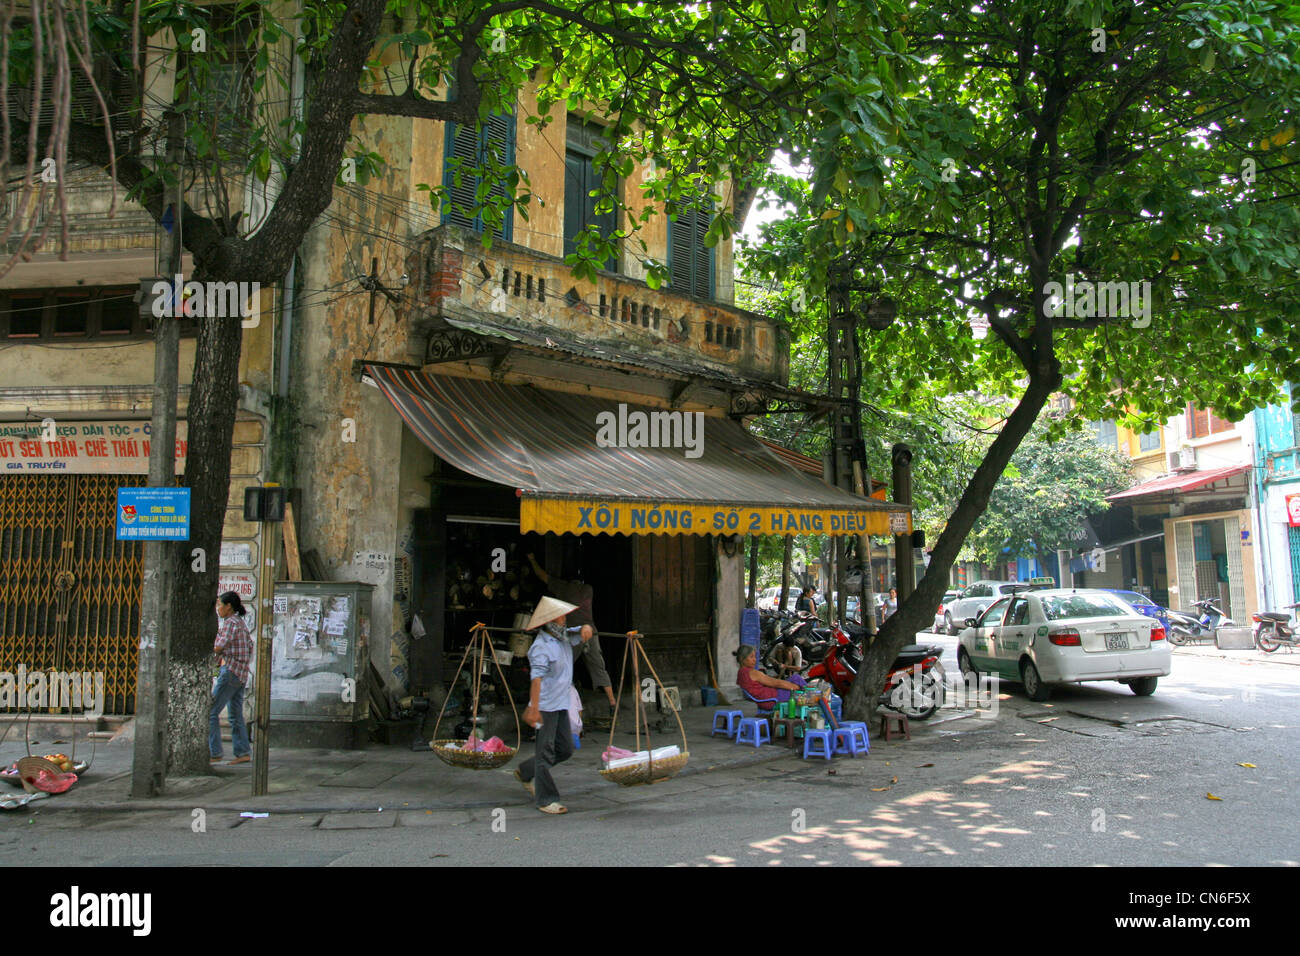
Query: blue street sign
153, 514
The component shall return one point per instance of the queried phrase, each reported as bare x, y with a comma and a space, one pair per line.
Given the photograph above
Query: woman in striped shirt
235, 645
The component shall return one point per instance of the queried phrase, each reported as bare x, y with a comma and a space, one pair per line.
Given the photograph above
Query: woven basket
640, 773
471, 759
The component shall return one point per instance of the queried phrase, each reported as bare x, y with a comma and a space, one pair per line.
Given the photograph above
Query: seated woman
769, 690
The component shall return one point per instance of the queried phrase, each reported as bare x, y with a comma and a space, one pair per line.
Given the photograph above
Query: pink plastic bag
495, 745
53, 782
614, 753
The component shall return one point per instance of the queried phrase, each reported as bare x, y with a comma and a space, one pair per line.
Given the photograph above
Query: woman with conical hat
551, 662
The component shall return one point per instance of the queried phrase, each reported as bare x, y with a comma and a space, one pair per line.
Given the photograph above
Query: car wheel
965, 666
1035, 689
1143, 686
947, 625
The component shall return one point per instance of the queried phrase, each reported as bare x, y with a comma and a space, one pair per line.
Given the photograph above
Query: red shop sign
1293, 510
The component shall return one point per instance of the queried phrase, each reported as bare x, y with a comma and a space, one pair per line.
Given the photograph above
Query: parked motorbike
913, 686
1185, 629
811, 639
1273, 629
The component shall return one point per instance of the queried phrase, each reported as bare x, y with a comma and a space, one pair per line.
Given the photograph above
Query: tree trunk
214, 400
916, 613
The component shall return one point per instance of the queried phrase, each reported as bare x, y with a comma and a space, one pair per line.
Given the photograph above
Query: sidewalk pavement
392, 777
1284, 655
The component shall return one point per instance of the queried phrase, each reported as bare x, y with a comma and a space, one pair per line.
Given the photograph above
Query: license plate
1116, 642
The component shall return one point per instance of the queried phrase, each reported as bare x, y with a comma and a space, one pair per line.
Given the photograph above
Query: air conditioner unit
1186, 458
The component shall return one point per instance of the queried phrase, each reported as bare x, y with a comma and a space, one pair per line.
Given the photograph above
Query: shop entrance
1209, 564
69, 591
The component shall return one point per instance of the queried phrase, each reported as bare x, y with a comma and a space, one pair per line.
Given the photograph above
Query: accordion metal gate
69, 591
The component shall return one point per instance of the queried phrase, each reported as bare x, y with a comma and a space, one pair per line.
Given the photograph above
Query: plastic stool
851, 740
754, 730
888, 722
866, 728
824, 736
725, 721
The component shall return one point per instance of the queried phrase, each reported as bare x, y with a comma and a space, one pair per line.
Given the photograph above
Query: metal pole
902, 458
868, 605
149, 755
262, 676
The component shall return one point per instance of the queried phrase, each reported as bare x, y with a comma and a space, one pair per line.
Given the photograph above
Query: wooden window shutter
691, 261
1198, 422
1217, 424
471, 146
460, 181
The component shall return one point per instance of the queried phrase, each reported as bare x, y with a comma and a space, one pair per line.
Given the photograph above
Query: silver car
974, 600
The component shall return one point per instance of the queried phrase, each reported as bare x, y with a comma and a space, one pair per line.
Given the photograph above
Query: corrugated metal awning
1176, 484
580, 465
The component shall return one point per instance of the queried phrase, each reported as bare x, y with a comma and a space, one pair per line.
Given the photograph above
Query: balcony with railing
514, 293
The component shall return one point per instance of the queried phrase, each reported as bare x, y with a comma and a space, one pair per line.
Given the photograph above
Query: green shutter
690, 261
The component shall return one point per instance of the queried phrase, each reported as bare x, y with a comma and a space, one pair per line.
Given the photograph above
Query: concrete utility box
319, 652
1234, 638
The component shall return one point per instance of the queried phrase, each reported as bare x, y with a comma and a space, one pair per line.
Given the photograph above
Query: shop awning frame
1177, 484
543, 443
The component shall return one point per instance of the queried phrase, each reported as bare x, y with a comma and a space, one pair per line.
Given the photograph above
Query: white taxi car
1063, 636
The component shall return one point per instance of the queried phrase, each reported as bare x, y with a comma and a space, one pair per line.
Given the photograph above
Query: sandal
554, 808
215, 759
244, 759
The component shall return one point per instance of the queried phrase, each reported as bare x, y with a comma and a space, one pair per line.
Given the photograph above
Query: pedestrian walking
551, 662
580, 595
891, 605
235, 645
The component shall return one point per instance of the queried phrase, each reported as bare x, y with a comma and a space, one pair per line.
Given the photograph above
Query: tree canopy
1048, 489
962, 163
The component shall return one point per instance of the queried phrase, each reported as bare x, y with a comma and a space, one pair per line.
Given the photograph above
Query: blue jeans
229, 693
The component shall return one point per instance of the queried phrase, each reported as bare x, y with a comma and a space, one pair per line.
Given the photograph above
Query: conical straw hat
548, 609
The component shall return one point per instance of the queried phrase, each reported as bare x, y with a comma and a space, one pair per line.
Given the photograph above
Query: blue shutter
470, 145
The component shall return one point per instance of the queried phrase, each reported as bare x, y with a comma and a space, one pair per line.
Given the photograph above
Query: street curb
250, 803
247, 803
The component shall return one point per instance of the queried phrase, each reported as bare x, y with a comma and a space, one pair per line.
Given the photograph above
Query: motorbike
913, 686
811, 639
1273, 629
1185, 629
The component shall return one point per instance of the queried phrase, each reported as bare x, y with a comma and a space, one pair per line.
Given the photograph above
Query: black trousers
554, 746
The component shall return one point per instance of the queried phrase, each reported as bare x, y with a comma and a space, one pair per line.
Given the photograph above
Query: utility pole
902, 459
265, 629
845, 377
149, 757
868, 605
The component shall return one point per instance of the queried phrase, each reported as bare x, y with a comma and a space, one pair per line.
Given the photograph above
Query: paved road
1095, 776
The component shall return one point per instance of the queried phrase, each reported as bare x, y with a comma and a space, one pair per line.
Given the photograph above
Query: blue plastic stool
824, 736
851, 740
725, 721
754, 730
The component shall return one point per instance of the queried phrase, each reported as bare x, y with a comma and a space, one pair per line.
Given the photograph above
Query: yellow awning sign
588, 516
